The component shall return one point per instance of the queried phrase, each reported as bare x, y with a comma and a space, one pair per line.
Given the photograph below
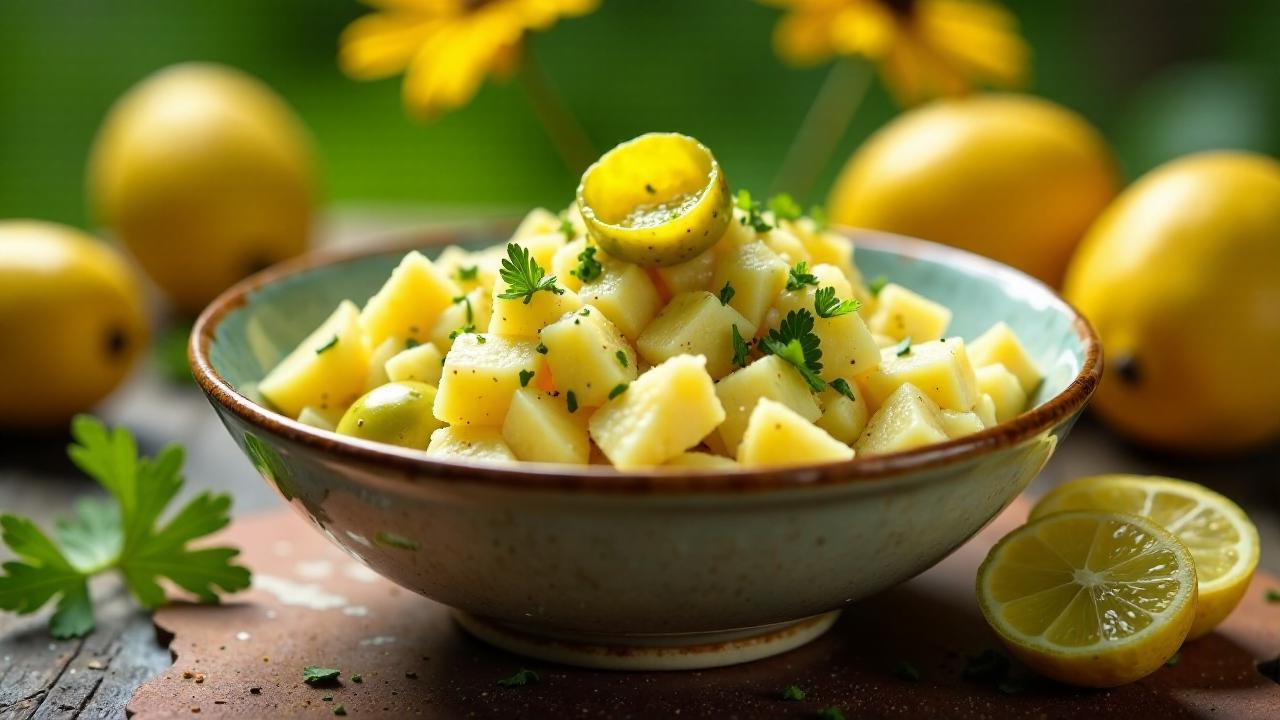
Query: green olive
398, 413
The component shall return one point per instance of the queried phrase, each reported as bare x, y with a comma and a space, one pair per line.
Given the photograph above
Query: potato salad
658, 321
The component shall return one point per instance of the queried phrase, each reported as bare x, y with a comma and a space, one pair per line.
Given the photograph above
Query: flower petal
382, 44
451, 65
979, 38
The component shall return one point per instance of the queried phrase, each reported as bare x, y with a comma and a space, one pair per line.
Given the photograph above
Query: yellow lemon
1181, 278
206, 175
71, 322
1012, 177
1090, 598
1222, 540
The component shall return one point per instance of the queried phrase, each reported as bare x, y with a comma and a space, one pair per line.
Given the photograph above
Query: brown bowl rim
416, 466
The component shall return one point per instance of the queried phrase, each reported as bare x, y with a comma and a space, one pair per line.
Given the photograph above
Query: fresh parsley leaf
411, 343
902, 348
588, 267
541, 349
327, 346
340, 710
470, 325
357, 678
571, 401
830, 713
741, 348
753, 217
464, 330
726, 293
525, 377
827, 305
1173, 660
819, 218
622, 357
792, 692
126, 535
524, 276
784, 207
468, 272
567, 229
649, 188
1272, 595
316, 676
799, 276
795, 342
841, 386
877, 284
617, 390
907, 671
521, 678
480, 339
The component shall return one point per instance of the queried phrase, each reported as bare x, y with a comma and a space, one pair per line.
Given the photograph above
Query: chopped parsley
524, 276
1272, 595
830, 713
572, 401
784, 207
588, 267
541, 349
521, 678
799, 276
907, 671
1173, 660
795, 342
753, 218
470, 325
567, 229
327, 346
480, 339
468, 273
525, 377
340, 710
648, 187
411, 343
617, 390
902, 348
827, 305
877, 284
841, 386
622, 357
726, 293
741, 348
793, 692
317, 676
357, 678
819, 218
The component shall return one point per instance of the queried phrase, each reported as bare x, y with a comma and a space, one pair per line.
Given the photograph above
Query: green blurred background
1159, 77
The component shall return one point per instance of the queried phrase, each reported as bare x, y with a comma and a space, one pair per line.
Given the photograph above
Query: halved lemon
659, 199
1219, 535
1090, 598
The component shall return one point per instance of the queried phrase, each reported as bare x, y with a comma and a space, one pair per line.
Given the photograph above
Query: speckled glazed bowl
667, 570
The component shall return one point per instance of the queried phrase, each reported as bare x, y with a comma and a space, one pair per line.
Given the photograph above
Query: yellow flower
923, 48
446, 48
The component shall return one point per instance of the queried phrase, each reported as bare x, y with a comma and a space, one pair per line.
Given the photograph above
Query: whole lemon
1012, 177
206, 176
1181, 278
71, 322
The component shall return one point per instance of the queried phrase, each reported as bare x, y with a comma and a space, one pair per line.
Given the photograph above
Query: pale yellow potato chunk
326, 370
776, 435
538, 221
695, 323
322, 419
902, 314
940, 369
1001, 345
786, 245
884, 341
828, 248
756, 274
565, 262
474, 309
582, 352
769, 377
1005, 391
377, 374
958, 424
626, 295
539, 428
701, 461
409, 303
842, 418
461, 266
543, 247
480, 375
516, 318
986, 410
690, 275
666, 411
907, 419
422, 363
469, 443
848, 348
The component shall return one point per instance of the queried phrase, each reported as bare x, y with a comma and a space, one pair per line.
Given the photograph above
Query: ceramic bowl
590, 566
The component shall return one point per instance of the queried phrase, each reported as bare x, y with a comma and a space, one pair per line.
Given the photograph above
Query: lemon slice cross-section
1219, 535
657, 200
1090, 598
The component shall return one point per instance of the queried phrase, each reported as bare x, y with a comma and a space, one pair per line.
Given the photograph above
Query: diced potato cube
421, 363
626, 295
958, 424
787, 246
1001, 345
842, 418
565, 262
690, 275
884, 341
902, 314
695, 323
756, 274
907, 419
461, 266
480, 375
472, 310
469, 443
322, 419
516, 318
539, 221
776, 435
848, 348
701, 461
326, 370
1005, 391
543, 248
666, 411
409, 303
588, 356
377, 374
829, 248
940, 369
986, 410
539, 428
769, 377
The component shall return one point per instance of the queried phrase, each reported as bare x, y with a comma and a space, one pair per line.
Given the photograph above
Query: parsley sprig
126, 534
753, 218
799, 276
524, 276
726, 293
827, 305
741, 348
784, 207
795, 342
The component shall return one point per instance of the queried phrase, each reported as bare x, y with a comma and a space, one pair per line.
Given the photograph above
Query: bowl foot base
686, 651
